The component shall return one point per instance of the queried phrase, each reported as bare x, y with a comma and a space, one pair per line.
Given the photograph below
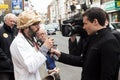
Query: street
67, 72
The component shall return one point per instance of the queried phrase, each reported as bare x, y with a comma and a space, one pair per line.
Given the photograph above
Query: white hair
43, 30
7, 16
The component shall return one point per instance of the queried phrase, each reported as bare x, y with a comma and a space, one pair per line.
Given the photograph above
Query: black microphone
40, 42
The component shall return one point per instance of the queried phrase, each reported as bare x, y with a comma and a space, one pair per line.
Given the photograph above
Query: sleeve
44, 50
75, 48
30, 59
4, 60
72, 46
116, 34
109, 60
71, 59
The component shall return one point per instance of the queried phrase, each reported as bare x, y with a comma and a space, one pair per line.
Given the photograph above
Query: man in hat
27, 58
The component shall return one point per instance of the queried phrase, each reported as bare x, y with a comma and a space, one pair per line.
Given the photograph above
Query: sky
41, 5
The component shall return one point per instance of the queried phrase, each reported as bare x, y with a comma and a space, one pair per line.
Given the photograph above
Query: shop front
113, 9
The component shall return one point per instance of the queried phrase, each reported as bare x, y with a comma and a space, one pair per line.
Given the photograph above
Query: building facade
112, 7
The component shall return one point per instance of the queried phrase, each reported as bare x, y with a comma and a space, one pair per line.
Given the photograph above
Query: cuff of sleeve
44, 50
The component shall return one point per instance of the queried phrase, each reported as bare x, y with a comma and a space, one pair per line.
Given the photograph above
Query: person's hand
55, 52
56, 70
49, 42
73, 37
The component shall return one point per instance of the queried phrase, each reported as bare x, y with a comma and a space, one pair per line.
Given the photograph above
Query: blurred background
56, 11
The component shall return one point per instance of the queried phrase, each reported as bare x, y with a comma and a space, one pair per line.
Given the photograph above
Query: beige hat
27, 18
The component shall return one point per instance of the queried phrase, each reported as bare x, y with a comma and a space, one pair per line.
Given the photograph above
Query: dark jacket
117, 35
6, 37
76, 47
100, 57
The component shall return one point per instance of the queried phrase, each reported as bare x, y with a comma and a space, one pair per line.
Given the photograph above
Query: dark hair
96, 13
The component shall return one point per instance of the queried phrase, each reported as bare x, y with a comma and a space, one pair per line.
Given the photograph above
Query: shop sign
3, 6
117, 4
111, 5
17, 6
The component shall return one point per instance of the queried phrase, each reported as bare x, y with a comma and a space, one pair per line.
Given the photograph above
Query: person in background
27, 58
115, 33
113, 29
78, 37
7, 33
50, 62
76, 46
100, 55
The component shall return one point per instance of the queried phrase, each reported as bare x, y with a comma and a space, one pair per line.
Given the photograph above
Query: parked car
50, 29
56, 26
116, 25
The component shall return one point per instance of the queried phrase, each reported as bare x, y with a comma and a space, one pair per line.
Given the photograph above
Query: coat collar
7, 28
101, 31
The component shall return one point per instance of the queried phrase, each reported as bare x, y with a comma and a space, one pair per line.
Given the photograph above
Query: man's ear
95, 21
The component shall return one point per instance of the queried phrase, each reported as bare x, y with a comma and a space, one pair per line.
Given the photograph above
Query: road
67, 72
